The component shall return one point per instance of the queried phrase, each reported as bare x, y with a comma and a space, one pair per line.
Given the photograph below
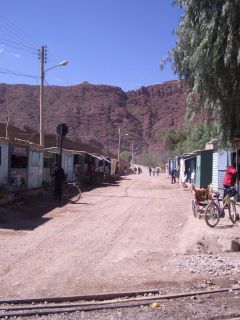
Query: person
229, 178
158, 171
150, 171
139, 170
188, 175
154, 171
59, 177
193, 176
184, 179
173, 175
91, 171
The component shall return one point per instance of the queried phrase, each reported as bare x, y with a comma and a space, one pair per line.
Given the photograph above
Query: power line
18, 44
17, 47
15, 32
6, 71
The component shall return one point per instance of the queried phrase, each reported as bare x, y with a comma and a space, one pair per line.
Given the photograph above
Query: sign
62, 129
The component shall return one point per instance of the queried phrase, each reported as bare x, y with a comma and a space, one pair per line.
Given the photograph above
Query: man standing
59, 176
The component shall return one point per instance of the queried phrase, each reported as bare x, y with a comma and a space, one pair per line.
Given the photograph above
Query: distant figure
154, 171
157, 171
59, 176
193, 176
135, 170
150, 171
173, 175
189, 175
184, 179
177, 174
229, 178
139, 170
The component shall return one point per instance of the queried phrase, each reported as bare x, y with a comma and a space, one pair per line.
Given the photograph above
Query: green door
198, 171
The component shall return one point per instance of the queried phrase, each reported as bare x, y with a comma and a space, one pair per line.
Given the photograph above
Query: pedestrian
229, 178
193, 176
173, 175
150, 171
135, 170
184, 179
59, 177
158, 171
139, 170
154, 171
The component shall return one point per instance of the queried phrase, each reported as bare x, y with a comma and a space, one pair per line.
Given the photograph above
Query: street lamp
119, 142
42, 78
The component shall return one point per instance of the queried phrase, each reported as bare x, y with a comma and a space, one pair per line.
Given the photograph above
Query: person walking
59, 177
150, 171
173, 175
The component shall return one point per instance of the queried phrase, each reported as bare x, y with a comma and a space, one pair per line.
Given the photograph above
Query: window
19, 157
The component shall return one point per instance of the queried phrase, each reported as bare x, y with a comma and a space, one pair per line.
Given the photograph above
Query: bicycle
214, 211
70, 191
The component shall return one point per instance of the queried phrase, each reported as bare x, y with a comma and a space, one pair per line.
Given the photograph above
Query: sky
113, 42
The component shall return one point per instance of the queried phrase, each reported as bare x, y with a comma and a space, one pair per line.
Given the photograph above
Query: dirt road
134, 233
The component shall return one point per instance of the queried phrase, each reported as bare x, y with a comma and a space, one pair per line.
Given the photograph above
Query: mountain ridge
95, 112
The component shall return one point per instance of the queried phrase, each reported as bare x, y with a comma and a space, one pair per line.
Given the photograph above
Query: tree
207, 56
126, 155
178, 141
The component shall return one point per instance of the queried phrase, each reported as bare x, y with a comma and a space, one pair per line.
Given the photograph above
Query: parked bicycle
212, 207
217, 206
71, 190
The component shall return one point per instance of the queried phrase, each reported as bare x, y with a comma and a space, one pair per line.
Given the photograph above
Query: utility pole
132, 152
119, 143
7, 122
42, 57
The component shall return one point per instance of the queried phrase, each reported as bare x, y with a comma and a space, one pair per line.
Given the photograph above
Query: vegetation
178, 141
207, 56
153, 159
126, 155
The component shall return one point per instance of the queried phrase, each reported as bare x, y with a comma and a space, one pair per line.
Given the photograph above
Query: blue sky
115, 42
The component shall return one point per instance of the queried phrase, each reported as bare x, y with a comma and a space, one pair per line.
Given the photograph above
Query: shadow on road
229, 226
28, 214
125, 196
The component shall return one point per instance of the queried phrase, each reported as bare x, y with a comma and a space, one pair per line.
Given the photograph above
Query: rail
55, 305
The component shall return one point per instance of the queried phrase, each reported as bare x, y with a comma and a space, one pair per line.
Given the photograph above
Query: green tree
207, 56
189, 139
126, 155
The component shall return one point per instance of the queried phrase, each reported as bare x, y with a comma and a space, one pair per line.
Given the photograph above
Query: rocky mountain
95, 112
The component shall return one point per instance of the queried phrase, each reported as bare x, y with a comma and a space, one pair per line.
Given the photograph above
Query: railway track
44, 306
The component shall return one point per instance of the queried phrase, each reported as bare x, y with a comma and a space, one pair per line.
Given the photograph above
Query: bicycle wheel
212, 214
232, 211
72, 192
